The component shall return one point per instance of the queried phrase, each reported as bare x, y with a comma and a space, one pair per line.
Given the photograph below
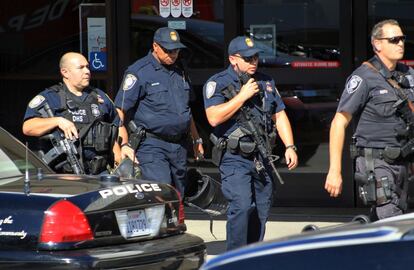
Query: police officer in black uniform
83, 113
155, 93
247, 189
379, 95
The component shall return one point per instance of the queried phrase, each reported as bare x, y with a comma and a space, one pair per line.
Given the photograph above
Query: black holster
220, 144
136, 136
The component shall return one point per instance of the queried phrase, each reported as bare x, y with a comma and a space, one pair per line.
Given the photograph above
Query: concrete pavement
282, 222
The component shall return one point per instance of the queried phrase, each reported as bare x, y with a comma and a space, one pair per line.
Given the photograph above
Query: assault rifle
257, 133
61, 145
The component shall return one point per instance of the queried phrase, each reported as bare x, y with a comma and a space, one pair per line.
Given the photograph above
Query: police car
50, 221
385, 244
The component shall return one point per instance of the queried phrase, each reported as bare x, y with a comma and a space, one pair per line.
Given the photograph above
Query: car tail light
65, 222
181, 215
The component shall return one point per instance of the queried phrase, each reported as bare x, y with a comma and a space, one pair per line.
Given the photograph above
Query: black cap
244, 46
168, 38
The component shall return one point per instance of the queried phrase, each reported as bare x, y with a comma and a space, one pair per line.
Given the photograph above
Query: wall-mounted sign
187, 8
97, 44
165, 8
176, 8
92, 32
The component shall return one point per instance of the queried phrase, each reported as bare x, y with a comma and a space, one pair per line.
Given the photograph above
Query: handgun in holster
220, 145
136, 135
366, 187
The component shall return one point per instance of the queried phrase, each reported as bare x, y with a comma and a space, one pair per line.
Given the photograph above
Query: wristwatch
292, 146
198, 141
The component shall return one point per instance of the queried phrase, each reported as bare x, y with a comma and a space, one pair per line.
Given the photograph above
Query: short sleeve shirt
369, 97
157, 96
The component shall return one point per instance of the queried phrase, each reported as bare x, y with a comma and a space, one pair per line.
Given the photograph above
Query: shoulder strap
60, 91
393, 83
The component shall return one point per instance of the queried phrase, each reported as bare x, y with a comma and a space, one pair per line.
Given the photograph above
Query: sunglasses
249, 59
169, 51
395, 40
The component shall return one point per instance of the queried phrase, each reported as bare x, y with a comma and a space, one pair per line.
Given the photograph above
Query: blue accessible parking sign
97, 61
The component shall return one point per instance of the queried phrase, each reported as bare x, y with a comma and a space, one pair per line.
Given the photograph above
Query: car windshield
13, 158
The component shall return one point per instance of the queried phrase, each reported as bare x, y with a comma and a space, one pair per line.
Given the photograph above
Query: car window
13, 158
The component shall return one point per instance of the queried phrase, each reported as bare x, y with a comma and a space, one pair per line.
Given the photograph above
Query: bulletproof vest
259, 108
87, 117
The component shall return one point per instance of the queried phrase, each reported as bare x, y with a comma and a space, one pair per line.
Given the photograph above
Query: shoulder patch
210, 89
36, 101
353, 84
269, 87
129, 81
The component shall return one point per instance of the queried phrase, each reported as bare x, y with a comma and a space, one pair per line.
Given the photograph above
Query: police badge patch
269, 87
129, 82
210, 89
36, 101
353, 84
95, 110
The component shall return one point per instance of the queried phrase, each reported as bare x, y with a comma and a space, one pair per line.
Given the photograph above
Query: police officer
248, 192
155, 91
80, 111
377, 93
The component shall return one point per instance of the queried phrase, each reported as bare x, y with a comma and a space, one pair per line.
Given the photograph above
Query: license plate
137, 224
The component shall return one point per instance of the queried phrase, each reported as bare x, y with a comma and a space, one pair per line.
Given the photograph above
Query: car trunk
115, 211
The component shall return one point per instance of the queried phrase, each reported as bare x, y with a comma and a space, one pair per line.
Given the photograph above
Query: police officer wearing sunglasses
247, 189
378, 95
155, 96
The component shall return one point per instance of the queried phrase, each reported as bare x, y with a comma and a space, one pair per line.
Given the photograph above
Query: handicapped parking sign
97, 61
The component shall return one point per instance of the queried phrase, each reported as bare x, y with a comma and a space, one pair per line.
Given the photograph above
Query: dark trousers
163, 162
250, 198
397, 175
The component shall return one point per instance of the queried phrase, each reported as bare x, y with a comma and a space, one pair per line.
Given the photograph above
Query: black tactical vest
94, 130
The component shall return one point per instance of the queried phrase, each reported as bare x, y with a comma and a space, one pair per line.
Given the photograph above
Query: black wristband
292, 146
125, 144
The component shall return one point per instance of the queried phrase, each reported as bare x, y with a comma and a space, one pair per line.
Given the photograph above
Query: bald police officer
376, 94
155, 92
83, 113
248, 191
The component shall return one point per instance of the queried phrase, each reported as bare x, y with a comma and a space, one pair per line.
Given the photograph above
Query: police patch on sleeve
353, 84
210, 89
129, 82
36, 101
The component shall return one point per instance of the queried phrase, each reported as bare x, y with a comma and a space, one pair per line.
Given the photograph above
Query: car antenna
26, 174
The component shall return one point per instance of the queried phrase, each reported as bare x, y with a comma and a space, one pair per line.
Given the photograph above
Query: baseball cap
168, 38
244, 46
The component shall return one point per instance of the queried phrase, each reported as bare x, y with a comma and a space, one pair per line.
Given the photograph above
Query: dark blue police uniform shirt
212, 92
50, 96
370, 98
160, 95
